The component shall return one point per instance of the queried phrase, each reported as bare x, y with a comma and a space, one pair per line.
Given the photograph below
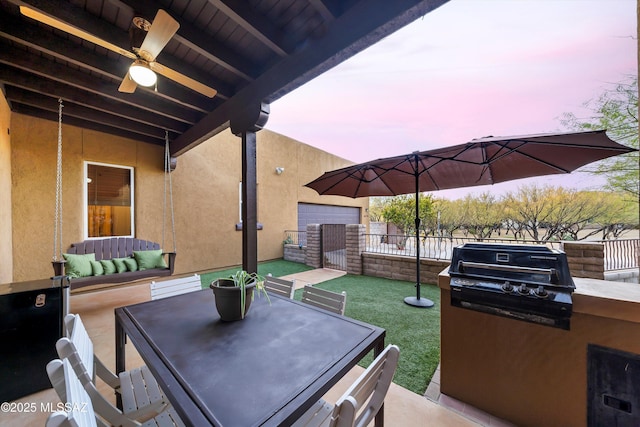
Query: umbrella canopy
482, 161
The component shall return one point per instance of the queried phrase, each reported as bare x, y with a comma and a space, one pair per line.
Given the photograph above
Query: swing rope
57, 227
167, 182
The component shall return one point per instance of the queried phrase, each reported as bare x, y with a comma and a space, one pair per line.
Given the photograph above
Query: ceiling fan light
142, 74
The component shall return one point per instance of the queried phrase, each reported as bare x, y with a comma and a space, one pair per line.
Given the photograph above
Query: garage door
326, 214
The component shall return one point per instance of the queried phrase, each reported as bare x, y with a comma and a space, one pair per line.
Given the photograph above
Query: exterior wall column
245, 122
585, 259
356, 243
313, 256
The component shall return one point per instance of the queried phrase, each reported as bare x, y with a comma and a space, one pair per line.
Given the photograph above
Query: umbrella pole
417, 301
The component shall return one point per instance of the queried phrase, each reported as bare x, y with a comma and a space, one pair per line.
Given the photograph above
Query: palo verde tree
401, 211
483, 215
615, 110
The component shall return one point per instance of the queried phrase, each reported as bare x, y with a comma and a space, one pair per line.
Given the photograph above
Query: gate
334, 246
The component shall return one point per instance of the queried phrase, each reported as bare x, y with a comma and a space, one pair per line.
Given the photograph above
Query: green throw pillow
131, 264
78, 265
149, 259
121, 267
97, 268
109, 266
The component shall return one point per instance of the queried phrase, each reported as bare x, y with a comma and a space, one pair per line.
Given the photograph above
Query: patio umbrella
482, 161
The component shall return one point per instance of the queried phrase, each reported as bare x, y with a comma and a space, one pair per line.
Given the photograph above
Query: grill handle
551, 272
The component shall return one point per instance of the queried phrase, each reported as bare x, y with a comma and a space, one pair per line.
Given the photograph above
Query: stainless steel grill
524, 282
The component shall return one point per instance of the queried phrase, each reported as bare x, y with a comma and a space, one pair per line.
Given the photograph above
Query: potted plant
234, 294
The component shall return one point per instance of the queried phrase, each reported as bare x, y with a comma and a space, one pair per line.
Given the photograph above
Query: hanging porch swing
112, 260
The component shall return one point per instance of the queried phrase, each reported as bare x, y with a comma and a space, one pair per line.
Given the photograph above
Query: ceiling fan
144, 68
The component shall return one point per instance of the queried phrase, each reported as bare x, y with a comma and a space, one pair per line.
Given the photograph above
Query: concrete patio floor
402, 408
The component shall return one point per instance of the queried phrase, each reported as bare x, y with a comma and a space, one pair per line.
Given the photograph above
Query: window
109, 200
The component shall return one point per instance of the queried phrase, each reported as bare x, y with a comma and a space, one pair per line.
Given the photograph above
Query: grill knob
523, 289
541, 292
507, 287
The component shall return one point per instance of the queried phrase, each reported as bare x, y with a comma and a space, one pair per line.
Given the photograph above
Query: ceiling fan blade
128, 85
162, 29
183, 80
63, 26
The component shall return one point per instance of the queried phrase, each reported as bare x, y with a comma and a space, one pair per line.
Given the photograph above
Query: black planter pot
228, 299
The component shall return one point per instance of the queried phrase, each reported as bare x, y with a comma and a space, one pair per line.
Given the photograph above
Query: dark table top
264, 370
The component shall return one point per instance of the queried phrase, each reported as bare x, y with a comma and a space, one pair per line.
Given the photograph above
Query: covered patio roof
231, 58
251, 52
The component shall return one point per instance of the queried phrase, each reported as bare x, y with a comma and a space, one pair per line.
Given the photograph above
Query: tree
451, 217
482, 215
615, 110
618, 216
401, 211
376, 204
532, 208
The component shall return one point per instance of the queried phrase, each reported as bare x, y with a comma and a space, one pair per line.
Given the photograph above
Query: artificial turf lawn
380, 302
415, 330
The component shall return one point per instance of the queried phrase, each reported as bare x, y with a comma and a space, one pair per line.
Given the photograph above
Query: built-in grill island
524, 282
498, 354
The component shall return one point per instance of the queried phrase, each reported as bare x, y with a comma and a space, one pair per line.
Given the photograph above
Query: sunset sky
469, 69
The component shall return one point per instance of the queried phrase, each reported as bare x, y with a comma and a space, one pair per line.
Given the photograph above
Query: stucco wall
207, 183
33, 154
205, 186
6, 268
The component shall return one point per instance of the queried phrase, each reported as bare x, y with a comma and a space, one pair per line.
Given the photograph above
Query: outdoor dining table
266, 369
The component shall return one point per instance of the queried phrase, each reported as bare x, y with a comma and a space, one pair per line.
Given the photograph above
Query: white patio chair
141, 395
359, 405
79, 405
321, 298
278, 286
172, 287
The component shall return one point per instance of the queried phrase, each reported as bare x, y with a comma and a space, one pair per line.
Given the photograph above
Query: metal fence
618, 254
295, 237
621, 254
439, 248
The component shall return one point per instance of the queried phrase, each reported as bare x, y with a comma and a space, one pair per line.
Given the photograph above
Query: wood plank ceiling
250, 51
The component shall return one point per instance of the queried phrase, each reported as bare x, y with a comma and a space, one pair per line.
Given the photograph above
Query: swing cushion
108, 265
149, 259
121, 267
131, 263
79, 265
105, 250
98, 269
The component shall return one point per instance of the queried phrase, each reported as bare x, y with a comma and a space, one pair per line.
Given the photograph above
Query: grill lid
530, 264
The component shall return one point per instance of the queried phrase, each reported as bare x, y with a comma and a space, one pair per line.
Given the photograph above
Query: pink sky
469, 69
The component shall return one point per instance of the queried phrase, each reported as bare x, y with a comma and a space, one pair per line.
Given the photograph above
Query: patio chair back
360, 404
362, 401
84, 402
80, 412
280, 286
139, 390
172, 287
328, 300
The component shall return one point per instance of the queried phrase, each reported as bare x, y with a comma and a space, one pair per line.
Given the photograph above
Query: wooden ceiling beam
38, 65
89, 23
11, 76
37, 38
47, 103
208, 47
74, 121
242, 14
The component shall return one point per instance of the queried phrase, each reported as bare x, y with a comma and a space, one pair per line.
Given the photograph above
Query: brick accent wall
356, 244
295, 253
402, 267
313, 256
585, 259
